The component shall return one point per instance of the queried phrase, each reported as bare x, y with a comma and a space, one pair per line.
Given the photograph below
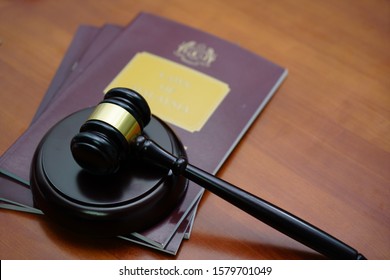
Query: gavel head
103, 141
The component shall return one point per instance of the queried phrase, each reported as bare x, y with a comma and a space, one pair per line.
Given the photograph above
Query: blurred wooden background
320, 149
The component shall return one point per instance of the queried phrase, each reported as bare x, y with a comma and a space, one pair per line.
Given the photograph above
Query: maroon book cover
251, 79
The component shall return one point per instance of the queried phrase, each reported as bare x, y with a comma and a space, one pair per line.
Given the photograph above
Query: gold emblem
196, 54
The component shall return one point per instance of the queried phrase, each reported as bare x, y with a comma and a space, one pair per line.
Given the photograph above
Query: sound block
135, 198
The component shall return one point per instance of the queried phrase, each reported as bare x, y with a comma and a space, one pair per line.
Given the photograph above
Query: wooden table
320, 149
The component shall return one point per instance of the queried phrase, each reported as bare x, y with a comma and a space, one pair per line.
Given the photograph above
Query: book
228, 85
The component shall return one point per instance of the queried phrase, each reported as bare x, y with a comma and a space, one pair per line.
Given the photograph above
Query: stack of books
208, 90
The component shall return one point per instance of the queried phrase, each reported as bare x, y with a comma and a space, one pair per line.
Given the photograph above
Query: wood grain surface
320, 149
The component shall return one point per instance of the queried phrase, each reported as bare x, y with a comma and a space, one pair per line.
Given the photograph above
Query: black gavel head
103, 141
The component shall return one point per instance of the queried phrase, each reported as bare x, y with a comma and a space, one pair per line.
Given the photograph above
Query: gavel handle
262, 210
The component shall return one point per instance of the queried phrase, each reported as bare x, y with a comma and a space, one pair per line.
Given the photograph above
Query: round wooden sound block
135, 198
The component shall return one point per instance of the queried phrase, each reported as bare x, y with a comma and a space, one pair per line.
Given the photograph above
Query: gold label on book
196, 54
175, 93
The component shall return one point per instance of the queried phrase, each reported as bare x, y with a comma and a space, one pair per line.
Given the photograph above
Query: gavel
113, 134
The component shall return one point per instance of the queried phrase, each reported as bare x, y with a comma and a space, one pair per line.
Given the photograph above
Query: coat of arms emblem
196, 54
